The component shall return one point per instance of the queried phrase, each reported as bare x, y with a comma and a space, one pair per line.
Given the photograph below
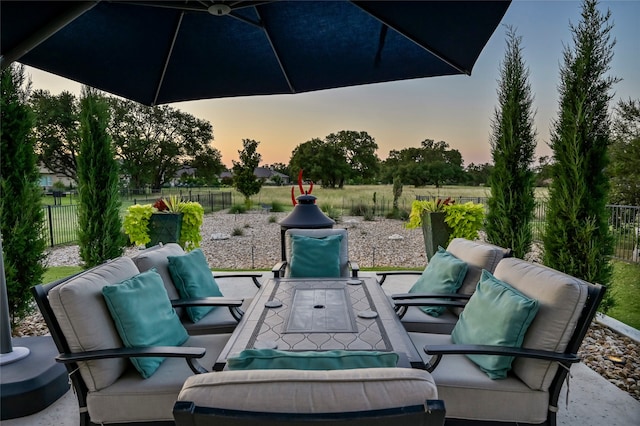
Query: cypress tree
577, 239
512, 180
21, 215
100, 227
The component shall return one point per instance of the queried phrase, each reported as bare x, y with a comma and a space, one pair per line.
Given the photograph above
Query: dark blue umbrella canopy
157, 52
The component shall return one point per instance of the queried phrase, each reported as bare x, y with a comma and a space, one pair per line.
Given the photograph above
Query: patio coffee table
316, 314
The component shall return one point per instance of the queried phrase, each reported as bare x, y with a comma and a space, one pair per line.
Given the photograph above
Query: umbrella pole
7, 352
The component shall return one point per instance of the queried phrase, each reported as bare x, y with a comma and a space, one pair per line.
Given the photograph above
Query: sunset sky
455, 109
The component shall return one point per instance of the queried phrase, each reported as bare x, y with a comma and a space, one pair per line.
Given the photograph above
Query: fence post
50, 225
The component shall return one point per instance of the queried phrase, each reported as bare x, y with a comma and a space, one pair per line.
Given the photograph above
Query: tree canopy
433, 163
625, 154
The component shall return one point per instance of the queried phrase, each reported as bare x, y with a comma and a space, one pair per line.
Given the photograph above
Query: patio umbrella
156, 52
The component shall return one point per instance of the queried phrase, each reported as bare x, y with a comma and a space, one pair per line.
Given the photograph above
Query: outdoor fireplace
306, 215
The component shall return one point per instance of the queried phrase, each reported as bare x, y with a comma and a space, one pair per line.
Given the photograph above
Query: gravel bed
378, 243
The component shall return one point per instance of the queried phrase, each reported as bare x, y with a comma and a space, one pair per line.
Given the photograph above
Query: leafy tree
577, 239
359, 150
99, 224
478, 174
279, 167
625, 154
432, 163
512, 180
244, 179
21, 216
208, 164
543, 171
342, 156
154, 142
56, 130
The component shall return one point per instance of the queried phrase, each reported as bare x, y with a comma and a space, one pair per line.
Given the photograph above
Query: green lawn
626, 294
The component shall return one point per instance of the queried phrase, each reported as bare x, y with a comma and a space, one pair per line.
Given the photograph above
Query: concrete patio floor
592, 400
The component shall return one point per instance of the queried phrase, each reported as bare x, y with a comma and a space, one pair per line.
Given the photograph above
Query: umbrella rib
168, 58
275, 53
434, 52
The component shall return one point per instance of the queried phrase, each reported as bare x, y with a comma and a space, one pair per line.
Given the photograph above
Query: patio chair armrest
439, 350
409, 296
354, 268
384, 275
278, 269
254, 277
189, 353
430, 302
207, 301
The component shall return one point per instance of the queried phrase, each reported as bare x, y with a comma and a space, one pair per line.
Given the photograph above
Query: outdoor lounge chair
216, 321
478, 255
368, 396
528, 395
324, 261
108, 387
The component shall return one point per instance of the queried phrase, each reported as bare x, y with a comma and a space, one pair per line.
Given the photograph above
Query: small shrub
237, 232
237, 208
369, 216
277, 207
398, 214
359, 210
273, 219
330, 211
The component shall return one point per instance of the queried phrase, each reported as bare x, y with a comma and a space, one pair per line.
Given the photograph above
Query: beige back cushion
478, 256
302, 391
561, 298
156, 257
85, 320
319, 233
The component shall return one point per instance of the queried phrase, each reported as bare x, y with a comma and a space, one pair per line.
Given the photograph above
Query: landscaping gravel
252, 241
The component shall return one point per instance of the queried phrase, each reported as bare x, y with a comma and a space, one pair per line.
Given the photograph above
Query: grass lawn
626, 293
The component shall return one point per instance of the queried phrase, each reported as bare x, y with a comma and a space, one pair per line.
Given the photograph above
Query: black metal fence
624, 222
61, 221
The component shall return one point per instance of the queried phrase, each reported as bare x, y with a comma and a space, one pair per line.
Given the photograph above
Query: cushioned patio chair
320, 253
478, 255
109, 389
558, 310
215, 321
371, 396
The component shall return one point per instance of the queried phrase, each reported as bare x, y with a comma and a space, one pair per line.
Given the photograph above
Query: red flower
160, 205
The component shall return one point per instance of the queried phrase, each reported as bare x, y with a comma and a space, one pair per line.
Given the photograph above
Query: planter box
165, 228
435, 231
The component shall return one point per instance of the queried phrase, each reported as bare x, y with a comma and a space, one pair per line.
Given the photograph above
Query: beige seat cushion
218, 320
300, 391
561, 298
319, 233
132, 398
469, 393
478, 256
416, 320
85, 321
156, 257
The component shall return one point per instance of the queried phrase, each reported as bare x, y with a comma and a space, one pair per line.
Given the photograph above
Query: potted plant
167, 220
430, 215
444, 220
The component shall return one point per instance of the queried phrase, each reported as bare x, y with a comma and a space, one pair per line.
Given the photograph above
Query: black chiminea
307, 215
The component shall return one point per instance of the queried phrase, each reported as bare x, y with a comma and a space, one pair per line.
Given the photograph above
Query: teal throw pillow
271, 359
315, 257
193, 279
496, 314
142, 312
444, 274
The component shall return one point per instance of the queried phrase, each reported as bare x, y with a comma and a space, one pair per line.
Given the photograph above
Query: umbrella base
31, 384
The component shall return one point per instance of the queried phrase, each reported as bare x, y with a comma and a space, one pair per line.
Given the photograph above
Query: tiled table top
328, 314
